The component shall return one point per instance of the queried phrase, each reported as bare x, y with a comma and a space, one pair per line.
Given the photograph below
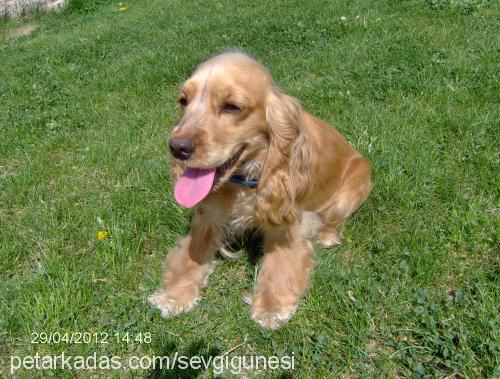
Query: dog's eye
183, 102
230, 108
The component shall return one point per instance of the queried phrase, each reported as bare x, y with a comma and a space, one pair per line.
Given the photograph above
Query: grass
86, 103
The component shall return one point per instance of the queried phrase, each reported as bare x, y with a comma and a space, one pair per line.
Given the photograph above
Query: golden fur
310, 181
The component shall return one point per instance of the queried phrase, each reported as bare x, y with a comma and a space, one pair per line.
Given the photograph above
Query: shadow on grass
199, 348
252, 243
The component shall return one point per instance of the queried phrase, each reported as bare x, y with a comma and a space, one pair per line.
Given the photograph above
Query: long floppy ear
286, 172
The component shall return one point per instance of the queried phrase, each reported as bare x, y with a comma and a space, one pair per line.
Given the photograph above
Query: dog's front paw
272, 320
168, 305
271, 317
328, 238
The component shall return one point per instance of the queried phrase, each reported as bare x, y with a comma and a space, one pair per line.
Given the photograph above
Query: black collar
240, 179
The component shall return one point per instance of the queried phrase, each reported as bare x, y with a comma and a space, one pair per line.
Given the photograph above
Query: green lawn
86, 104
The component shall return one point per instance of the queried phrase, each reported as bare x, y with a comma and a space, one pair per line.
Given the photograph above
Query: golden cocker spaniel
248, 156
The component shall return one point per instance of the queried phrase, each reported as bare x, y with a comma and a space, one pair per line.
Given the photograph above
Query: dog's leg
188, 267
330, 233
283, 277
349, 197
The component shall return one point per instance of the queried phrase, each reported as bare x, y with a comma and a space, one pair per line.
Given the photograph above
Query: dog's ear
286, 173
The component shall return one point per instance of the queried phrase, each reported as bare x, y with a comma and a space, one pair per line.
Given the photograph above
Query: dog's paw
328, 238
272, 319
168, 306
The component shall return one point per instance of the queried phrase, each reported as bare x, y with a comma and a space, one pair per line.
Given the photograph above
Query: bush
84, 6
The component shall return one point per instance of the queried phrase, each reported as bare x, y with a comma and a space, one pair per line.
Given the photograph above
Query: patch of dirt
21, 31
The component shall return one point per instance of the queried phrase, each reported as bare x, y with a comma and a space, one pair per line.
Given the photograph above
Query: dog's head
231, 113
222, 110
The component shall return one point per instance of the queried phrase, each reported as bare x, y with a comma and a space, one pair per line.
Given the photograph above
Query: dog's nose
181, 148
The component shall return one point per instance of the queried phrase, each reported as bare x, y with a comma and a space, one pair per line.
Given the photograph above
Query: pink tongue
193, 186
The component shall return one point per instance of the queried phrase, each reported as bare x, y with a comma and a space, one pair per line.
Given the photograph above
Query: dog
247, 156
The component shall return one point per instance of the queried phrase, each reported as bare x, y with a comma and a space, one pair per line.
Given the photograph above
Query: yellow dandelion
122, 7
101, 234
